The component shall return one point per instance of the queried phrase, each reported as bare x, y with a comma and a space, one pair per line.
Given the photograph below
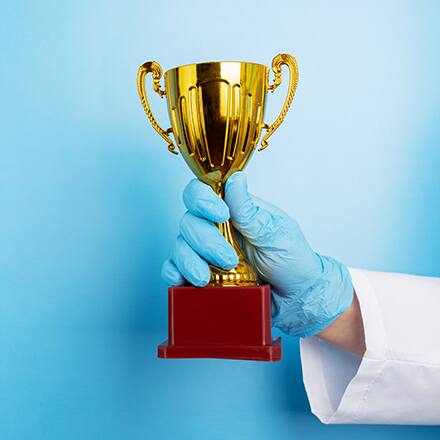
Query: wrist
347, 331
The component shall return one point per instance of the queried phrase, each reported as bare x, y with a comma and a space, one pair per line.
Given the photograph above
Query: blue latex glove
309, 291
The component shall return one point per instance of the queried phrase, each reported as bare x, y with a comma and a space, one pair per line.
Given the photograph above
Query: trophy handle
277, 62
154, 68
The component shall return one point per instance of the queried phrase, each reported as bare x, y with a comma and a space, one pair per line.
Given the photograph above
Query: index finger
202, 201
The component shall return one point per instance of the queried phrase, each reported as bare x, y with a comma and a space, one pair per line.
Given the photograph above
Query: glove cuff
308, 312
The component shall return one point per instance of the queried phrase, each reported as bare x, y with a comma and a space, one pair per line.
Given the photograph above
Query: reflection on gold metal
216, 111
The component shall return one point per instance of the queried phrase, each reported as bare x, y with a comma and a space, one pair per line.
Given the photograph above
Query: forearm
347, 331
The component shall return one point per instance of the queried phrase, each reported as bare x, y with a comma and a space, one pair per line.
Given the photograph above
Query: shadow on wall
152, 203
417, 232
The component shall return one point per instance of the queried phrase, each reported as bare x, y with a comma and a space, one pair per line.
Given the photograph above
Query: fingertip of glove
170, 274
222, 212
236, 179
236, 190
231, 261
201, 280
200, 199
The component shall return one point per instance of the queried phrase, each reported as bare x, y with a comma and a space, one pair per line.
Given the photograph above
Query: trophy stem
244, 273
226, 229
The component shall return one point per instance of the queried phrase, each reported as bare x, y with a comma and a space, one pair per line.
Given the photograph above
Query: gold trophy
216, 111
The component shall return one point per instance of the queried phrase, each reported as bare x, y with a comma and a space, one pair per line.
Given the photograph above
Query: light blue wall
90, 202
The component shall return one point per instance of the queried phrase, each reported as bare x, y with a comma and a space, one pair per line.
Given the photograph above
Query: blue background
90, 201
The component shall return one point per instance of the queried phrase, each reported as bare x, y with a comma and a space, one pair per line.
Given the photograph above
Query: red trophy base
220, 322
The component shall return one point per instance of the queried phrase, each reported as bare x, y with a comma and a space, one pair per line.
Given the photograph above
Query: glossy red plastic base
220, 322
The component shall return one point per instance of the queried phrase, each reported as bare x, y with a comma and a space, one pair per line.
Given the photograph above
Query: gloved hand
309, 291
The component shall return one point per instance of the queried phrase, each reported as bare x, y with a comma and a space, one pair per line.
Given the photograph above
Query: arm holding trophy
311, 294
216, 111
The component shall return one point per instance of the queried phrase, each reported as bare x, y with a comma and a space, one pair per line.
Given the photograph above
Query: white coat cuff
337, 383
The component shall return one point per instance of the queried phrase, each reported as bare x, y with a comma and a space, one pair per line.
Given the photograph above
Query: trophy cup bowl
216, 111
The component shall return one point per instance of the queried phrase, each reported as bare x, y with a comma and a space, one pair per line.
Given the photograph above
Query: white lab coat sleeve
398, 379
